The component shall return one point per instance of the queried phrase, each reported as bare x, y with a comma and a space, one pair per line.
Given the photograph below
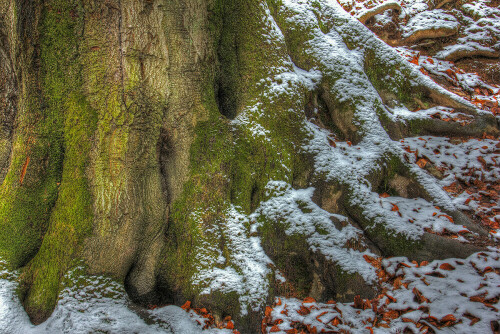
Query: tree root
379, 9
467, 52
429, 34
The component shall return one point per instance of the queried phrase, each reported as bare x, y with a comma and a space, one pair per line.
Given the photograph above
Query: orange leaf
424, 263
319, 316
447, 217
279, 302
186, 306
451, 74
394, 207
275, 329
446, 266
23, 171
421, 162
449, 317
414, 60
309, 300
371, 329
368, 259
312, 329
230, 325
397, 282
358, 302
268, 311
303, 310
392, 299
335, 322
384, 195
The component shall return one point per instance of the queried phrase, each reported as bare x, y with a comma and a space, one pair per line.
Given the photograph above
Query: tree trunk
157, 142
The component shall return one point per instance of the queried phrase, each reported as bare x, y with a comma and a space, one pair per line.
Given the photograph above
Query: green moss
398, 87
39, 145
290, 254
70, 220
391, 243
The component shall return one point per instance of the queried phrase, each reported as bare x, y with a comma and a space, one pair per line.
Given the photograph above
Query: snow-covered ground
447, 296
94, 305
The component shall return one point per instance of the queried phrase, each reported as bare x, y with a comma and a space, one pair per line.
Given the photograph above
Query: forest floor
448, 41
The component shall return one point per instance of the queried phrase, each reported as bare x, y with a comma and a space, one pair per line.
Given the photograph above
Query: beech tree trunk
141, 138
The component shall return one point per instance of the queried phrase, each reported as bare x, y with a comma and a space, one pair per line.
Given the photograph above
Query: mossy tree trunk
128, 141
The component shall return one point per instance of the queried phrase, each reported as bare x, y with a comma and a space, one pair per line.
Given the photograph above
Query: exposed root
365, 16
429, 34
442, 3
467, 52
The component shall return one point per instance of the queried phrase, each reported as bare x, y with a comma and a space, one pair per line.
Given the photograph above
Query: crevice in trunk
228, 73
164, 150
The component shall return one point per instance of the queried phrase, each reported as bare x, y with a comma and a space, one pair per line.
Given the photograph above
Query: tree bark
128, 144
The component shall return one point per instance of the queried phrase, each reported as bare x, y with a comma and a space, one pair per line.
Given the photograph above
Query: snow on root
299, 215
430, 24
244, 270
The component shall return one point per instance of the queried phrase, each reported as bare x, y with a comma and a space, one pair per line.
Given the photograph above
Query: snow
449, 291
95, 304
430, 20
459, 291
460, 161
246, 269
299, 215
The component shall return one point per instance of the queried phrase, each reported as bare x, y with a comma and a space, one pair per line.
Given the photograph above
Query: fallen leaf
358, 302
303, 310
449, 317
186, 306
275, 329
447, 217
309, 300
446, 266
268, 311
